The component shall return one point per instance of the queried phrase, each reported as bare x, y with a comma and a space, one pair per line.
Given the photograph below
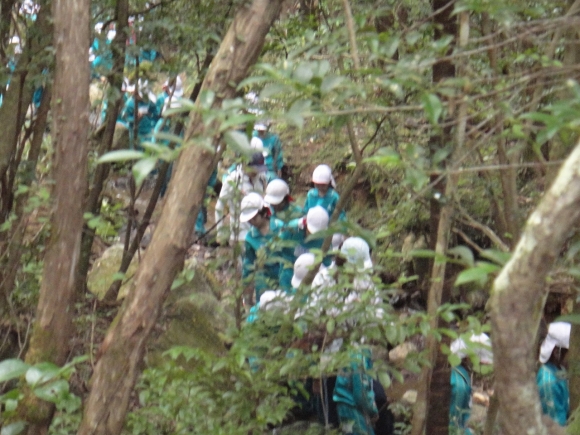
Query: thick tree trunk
122, 350
574, 363
53, 324
518, 299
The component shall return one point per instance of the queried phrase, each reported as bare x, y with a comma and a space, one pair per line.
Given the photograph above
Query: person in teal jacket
146, 113
273, 155
551, 378
295, 237
323, 194
281, 203
354, 396
264, 230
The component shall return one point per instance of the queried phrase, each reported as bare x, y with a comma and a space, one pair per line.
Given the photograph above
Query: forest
451, 130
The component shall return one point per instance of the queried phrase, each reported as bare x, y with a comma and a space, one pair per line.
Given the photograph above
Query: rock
410, 397
104, 269
193, 316
399, 353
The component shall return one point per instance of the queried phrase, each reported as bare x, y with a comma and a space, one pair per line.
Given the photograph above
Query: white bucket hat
357, 252
301, 267
317, 219
478, 344
558, 336
251, 205
276, 191
323, 175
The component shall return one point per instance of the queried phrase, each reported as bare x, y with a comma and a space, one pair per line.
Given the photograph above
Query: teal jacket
273, 155
267, 275
295, 244
293, 211
328, 202
554, 393
460, 408
354, 388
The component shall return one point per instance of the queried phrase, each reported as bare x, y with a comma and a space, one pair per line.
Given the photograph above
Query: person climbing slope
323, 193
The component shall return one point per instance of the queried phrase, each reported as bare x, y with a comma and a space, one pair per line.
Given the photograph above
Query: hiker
272, 150
281, 203
323, 193
238, 183
258, 245
146, 114
170, 95
297, 239
478, 345
551, 378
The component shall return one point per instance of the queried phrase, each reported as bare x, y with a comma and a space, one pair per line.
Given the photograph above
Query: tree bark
53, 324
518, 298
433, 416
121, 352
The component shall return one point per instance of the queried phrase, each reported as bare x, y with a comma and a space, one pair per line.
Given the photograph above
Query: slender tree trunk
114, 98
53, 324
19, 94
574, 362
518, 298
429, 415
121, 352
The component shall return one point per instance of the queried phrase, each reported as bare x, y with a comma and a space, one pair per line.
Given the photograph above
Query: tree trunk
574, 362
53, 324
93, 201
19, 94
518, 299
429, 415
121, 352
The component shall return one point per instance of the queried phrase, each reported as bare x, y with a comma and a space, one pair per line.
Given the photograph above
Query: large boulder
105, 269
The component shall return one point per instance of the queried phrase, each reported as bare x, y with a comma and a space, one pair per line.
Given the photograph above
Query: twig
468, 220
467, 240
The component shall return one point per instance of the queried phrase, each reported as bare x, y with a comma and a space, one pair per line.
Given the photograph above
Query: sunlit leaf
121, 156
143, 168
12, 369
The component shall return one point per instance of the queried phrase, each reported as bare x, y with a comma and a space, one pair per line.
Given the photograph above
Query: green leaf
479, 273
498, 257
433, 107
121, 156
168, 138
206, 98
41, 372
13, 428
303, 73
238, 142
454, 359
53, 391
330, 325
143, 168
464, 253
385, 379
574, 319
12, 369
330, 82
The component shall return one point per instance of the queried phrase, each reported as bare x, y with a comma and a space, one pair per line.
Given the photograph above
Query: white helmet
274, 300
276, 191
479, 344
322, 175
357, 252
337, 241
251, 205
301, 267
558, 335
260, 126
257, 144
317, 219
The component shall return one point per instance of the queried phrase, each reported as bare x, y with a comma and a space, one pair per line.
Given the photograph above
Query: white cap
260, 126
317, 219
357, 252
337, 240
257, 144
479, 344
558, 335
276, 191
251, 205
323, 175
301, 267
